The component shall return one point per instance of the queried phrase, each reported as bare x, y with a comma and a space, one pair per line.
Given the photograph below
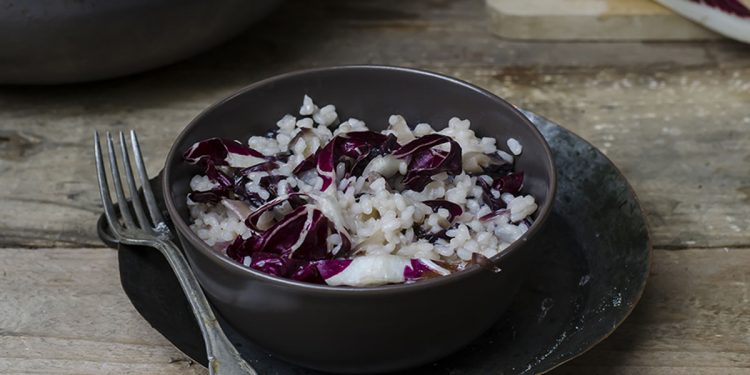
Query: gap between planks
64, 312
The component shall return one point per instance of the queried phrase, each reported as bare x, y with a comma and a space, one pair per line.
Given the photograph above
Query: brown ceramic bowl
361, 330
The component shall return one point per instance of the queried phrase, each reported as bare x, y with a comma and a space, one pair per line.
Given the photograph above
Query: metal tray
587, 278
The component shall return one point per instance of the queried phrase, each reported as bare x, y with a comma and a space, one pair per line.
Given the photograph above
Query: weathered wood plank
598, 20
681, 137
64, 312
693, 319
672, 115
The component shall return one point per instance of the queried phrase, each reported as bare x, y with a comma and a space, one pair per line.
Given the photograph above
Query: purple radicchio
417, 269
420, 233
310, 243
282, 266
269, 183
217, 176
494, 214
212, 196
510, 183
454, 210
223, 185
331, 267
427, 161
356, 149
295, 200
295, 246
482, 261
735, 7
382, 269
221, 151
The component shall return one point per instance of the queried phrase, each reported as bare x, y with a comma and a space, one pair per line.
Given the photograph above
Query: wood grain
682, 138
63, 312
694, 318
673, 116
598, 20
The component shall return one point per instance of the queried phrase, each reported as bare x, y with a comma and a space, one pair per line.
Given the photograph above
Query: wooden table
674, 116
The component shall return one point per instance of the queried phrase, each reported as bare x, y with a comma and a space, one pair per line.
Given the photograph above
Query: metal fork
139, 230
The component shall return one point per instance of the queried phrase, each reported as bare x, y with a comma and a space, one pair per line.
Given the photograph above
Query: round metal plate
588, 275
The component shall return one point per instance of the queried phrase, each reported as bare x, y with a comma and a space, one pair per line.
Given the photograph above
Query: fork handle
223, 358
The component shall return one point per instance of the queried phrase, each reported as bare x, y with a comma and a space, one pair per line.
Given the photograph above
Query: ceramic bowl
361, 330
52, 41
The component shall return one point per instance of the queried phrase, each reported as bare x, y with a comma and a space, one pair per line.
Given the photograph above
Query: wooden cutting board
606, 20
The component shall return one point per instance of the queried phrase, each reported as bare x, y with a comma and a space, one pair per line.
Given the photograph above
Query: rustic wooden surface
674, 116
595, 20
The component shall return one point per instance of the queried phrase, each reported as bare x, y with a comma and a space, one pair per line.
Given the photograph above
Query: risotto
330, 202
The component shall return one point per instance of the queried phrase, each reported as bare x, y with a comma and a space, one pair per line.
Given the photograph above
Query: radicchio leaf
251, 197
239, 208
215, 175
426, 161
497, 166
307, 272
345, 249
307, 164
299, 257
417, 270
212, 149
729, 6
454, 210
211, 197
389, 145
301, 234
281, 238
270, 183
240, 248
420, 233
487, 197
332, 267
378, 146
384, 268
266, 166
510, 183
214, 195
326, 163
315, 230
275, 264
483, 262
494, 214
272, 264
425, 142
236, 147
357, 144
219, 151
252, 220
356, 148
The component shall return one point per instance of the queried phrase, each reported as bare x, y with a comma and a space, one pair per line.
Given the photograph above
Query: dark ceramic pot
56, 41
359, 330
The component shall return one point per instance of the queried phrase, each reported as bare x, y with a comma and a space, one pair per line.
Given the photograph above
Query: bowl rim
223, 261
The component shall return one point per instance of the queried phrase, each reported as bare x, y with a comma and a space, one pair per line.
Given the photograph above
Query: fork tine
117, 180
137, 206
153, 208
109, 210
